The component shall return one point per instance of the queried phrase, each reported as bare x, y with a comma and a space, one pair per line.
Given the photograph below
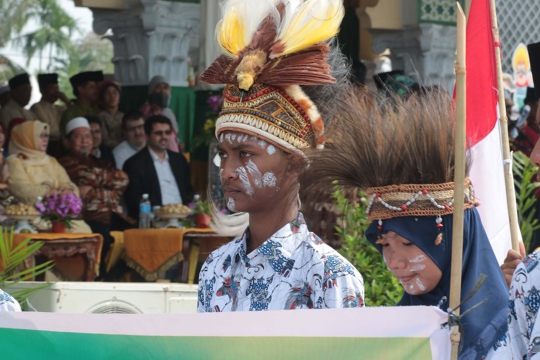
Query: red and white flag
483, 130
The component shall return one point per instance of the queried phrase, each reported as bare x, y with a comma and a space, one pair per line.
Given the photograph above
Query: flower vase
58, 227
203, 221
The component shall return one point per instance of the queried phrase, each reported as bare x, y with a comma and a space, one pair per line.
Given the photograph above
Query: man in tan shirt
21, 90
48, 112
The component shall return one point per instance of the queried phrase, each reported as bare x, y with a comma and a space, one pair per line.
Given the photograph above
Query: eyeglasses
161, 132
43, 136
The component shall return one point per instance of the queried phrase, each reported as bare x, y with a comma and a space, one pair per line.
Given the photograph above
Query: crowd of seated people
89, 147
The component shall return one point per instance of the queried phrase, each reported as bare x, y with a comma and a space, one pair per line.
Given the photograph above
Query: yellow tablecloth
151, 252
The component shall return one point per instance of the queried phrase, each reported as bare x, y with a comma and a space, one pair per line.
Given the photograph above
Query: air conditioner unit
112, 298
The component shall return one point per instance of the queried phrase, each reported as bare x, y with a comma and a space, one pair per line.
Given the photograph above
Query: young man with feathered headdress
282, 75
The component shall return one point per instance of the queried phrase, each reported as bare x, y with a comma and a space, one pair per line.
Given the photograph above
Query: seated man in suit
156, 171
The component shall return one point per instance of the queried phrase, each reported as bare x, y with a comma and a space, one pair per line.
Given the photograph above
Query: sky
84, 17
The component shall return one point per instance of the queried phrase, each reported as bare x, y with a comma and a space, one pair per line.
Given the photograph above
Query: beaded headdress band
270, 50
387, 202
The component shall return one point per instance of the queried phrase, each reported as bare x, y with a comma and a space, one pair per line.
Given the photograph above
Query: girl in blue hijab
402, 151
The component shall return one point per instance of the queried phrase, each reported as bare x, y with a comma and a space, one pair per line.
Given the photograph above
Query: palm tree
13, 18
54, 32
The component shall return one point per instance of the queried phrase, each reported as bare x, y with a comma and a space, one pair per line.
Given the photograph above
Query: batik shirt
8, 303
108, 184
293, 269
523, 327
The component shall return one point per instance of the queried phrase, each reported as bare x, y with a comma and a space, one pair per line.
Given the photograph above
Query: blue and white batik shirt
293, 269
523, 320
8, 303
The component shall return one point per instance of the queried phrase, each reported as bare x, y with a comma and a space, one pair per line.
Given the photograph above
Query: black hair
155, 119
131, 115
93, 119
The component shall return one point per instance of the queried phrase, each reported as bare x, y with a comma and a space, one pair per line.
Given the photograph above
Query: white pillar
151, 38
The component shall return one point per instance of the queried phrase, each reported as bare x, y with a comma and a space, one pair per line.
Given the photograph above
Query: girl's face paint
250, 166
414, 269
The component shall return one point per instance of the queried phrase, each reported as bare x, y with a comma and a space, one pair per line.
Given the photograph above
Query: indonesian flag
483, 130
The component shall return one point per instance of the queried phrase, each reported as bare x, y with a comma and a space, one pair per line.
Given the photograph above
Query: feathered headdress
400, 150
272, 48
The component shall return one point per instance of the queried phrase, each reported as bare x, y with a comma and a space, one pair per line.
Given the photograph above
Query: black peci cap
534, 57
45, 79
18, 80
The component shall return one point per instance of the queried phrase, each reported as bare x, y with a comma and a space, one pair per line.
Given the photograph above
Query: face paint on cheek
230, 204
255, 174
269, 179
418, 259
412, 290
271, 150
420, 285
418, 267
244, 178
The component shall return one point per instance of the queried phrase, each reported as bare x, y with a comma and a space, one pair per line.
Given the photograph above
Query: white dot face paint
412, 289
230, 204
418, 259
271, 150
255, 174
244, 178
420, 285
418, 267
217, 161
269, 179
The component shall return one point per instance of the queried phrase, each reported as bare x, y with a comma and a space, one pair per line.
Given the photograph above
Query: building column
151, 37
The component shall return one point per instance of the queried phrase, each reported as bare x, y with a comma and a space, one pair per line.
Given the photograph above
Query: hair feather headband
277, 43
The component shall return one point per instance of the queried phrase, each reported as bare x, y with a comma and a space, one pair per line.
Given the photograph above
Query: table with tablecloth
151, 252
64, 247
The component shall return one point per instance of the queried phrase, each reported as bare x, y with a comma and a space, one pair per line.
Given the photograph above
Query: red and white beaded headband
387, 202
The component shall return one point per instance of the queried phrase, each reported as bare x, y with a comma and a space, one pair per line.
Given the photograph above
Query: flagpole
459, 172
503, 122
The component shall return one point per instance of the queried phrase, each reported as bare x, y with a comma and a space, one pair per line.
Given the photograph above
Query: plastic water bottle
145, 211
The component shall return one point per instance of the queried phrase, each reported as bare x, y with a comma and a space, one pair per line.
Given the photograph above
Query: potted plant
202, 211
60, 208
14, 266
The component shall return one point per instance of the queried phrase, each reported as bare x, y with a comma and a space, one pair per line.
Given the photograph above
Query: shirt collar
279, 247
155, 156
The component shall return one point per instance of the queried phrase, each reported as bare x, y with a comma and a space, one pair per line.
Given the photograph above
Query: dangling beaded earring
379, 237
439, 238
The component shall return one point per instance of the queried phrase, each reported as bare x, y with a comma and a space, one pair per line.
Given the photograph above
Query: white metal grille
518, 23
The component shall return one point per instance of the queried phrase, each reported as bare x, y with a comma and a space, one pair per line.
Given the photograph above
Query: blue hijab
483, 326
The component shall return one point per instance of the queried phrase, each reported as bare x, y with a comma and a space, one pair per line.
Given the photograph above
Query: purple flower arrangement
60, 206
215, 102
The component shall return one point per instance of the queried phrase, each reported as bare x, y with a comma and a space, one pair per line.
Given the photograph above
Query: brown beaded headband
387, 202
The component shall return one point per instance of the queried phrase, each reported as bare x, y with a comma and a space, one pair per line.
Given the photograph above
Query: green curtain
182, 104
